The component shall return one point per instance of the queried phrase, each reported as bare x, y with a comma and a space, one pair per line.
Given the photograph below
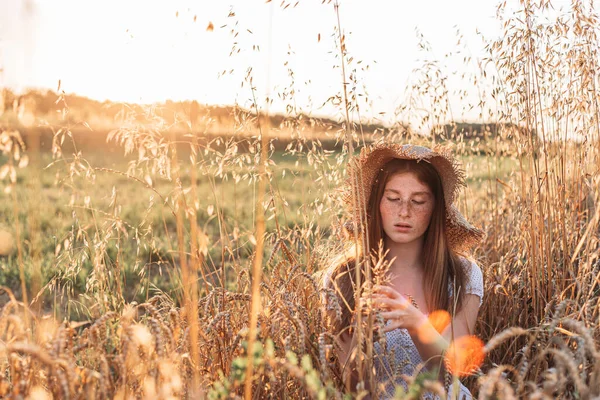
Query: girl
405, 195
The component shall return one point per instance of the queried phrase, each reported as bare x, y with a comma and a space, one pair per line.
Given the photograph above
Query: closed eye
418, 202
392, 198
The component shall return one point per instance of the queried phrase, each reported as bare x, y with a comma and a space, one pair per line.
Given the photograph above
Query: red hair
442, 266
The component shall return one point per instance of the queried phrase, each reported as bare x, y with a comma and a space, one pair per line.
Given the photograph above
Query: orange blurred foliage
465, 355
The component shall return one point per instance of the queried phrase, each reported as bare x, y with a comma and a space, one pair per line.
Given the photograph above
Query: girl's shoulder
474, 275
469, 265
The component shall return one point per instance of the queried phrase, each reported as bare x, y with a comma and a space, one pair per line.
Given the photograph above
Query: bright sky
152, 50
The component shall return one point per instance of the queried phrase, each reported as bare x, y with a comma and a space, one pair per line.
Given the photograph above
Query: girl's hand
396, 310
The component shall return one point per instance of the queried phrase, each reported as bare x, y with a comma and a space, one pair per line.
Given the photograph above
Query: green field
104, 205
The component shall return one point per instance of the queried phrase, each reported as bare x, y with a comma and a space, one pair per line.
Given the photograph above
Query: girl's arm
429, 342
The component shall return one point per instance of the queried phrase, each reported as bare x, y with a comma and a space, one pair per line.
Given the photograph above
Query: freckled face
406, 208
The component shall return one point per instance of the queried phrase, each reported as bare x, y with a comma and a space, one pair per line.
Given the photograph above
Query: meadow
296, 203
156, 265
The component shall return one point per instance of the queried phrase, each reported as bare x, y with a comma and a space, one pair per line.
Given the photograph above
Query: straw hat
461, 235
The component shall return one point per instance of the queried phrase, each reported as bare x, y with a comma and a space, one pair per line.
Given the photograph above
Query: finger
383, 305
387, 291
379, 296
400, 300
372, 295
390, 303
392, 315
384, 301
371, 299
382, 289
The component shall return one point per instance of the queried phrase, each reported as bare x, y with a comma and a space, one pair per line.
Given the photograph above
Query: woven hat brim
364, 169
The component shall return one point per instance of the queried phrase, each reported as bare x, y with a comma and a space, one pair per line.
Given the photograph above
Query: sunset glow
194, 199
148, 51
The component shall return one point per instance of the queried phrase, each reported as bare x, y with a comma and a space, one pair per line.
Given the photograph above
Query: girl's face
406, 208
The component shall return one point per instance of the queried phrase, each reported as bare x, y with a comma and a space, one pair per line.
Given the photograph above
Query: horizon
250, 110
122, 61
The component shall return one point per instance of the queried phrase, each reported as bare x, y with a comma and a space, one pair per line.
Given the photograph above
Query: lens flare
439, 319
465, 355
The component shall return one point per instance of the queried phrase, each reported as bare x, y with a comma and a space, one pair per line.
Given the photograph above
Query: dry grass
247, 316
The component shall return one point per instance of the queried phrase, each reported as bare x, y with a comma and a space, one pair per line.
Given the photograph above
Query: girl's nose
403, 208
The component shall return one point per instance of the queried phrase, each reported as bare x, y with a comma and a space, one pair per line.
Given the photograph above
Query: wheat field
166, 265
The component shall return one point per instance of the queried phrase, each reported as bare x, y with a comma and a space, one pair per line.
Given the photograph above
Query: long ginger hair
443, 268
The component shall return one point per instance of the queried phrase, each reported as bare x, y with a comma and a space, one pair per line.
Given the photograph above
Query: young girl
406, 194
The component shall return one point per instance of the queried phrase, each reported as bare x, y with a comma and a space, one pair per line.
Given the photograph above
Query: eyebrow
413, 194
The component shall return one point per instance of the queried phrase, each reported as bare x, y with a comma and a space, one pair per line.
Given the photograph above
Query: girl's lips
402, 227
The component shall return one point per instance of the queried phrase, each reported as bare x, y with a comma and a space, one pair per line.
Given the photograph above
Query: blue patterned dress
402, 356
